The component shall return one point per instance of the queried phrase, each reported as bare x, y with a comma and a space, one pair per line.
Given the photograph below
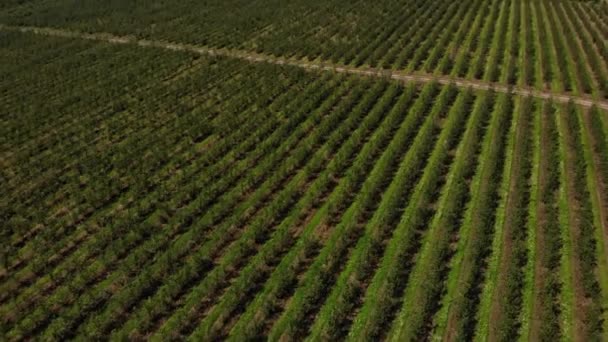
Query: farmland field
317, 170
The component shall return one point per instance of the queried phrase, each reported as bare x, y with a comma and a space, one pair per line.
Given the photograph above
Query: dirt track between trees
311, 65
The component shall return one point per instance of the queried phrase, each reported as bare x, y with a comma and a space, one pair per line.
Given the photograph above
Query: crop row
222, 200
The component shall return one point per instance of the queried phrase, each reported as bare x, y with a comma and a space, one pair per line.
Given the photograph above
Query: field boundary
255, 57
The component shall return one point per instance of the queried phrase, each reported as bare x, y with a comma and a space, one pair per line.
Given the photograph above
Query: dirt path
586, 101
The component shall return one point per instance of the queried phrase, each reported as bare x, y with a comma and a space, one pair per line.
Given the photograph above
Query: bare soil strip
585, 101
